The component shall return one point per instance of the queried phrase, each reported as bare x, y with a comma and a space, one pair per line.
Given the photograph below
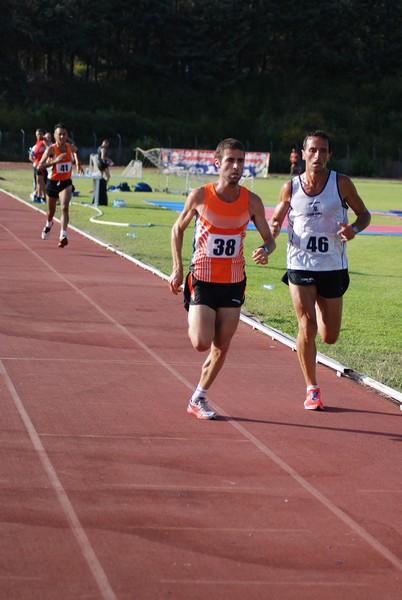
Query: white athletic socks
199, 393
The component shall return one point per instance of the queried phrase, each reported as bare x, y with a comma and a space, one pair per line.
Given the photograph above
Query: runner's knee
308, 328
330, 337
199, 342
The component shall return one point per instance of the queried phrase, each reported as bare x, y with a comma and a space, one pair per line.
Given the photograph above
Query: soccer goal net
181, 170
171, 178
133, 169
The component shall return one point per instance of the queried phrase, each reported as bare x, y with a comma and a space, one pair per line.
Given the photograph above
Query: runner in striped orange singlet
214, 289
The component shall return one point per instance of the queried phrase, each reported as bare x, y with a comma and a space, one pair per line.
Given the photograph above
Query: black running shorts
55, 186
330, 284
214, 295
102, 164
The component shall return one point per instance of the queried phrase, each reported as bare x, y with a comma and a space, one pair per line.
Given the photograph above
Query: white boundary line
341, 370
75, 525
283, 338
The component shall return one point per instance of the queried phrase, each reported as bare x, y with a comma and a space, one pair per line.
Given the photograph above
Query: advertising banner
202, 162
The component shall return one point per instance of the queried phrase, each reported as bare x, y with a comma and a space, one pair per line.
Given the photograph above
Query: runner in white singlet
316, 205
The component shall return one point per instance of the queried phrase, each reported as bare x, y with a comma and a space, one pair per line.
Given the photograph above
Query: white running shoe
46, 231
199, 408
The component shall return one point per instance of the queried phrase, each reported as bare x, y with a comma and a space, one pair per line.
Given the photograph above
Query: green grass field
370, 340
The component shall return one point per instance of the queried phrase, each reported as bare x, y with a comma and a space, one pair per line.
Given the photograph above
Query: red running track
109, 490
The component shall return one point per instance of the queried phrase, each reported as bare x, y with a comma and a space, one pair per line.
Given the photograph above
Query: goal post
133, 169
181, 170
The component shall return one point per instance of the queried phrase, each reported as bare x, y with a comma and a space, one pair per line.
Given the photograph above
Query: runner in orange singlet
215, 286
58, 158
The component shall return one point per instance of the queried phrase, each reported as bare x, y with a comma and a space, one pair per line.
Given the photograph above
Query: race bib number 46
223, 246
316, 244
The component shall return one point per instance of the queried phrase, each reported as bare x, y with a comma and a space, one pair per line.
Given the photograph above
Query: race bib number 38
223, 246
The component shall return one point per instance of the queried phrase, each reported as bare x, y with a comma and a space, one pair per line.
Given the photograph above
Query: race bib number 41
223, 246
64, 167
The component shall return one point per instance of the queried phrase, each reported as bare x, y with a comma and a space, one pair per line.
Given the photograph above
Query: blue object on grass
142, 187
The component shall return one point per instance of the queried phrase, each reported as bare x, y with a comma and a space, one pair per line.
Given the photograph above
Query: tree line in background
187, 73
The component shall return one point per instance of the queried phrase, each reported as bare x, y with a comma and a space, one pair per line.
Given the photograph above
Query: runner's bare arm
257, 215
351, 198
281, 209
193, 201
46, 157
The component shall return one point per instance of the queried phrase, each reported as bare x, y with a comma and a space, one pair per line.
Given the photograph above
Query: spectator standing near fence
294, 162
103, 161
215, 286
316, 204
58, 159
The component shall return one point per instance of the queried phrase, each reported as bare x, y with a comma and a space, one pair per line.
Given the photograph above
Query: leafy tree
192, 70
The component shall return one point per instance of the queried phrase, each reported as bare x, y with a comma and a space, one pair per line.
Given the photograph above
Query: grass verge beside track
370, 340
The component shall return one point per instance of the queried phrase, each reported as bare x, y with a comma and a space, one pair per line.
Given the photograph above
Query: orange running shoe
313, 400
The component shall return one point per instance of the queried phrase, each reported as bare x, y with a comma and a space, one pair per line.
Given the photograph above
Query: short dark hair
230, 143
317, 133
60, 126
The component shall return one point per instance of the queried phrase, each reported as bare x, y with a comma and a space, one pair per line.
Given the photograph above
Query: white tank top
312, 225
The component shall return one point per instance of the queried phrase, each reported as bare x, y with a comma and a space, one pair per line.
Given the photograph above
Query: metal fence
356, 161
15, 145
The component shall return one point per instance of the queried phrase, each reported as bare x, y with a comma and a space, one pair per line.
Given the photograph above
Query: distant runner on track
58, 159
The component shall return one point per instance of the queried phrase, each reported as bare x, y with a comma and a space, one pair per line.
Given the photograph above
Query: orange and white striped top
218, 238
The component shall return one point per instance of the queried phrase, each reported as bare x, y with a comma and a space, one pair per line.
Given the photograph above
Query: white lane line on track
75, 526
270, 583
339, 513
314, 492
223, 529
